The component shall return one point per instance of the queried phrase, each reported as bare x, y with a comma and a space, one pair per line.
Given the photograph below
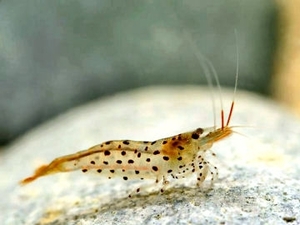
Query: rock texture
258, 171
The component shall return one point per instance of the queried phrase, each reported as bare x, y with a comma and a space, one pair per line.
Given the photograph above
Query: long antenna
219, 88
210, 84
236, 78
203, 59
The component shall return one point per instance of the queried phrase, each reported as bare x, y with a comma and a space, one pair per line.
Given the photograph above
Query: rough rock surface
258, 172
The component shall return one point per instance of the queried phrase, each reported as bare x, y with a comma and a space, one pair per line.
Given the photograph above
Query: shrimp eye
196, 133
199, 131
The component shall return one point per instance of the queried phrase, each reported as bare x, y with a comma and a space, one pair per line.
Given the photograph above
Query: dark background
55, 55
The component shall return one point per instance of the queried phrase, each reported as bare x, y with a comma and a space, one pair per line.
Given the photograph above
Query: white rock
258, 174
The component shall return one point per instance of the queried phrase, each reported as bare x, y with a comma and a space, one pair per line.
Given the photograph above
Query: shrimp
174, 157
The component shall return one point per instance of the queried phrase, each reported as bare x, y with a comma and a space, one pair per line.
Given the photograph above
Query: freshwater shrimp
173, 157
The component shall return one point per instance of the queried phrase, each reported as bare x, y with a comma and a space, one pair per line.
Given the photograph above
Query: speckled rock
258, 171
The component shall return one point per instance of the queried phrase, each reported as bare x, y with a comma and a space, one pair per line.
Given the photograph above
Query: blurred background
55, 55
